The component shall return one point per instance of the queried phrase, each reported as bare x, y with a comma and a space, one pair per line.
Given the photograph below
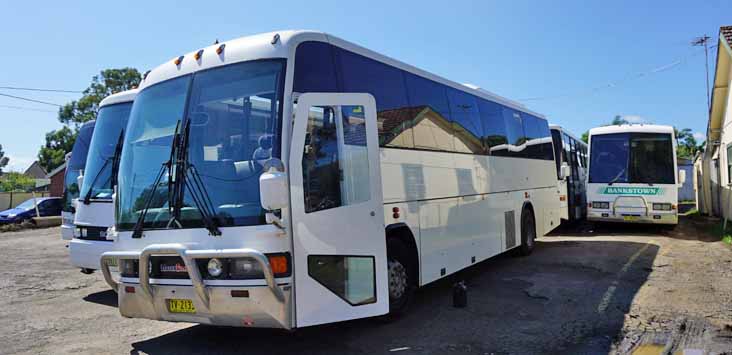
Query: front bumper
264, 306
642, 218
87, 253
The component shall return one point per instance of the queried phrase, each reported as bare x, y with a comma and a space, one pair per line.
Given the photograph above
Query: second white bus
571, 154
633, 175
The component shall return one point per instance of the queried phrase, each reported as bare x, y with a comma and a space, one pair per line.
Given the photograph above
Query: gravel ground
608, 290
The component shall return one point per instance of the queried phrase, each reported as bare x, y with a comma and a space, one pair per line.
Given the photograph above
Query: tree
108, 82
3, 160
60, 142
618, 120
687, 146
14, 181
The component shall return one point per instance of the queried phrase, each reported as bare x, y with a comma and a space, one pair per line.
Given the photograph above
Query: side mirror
80, 179
682, 177
273, 190
564, 171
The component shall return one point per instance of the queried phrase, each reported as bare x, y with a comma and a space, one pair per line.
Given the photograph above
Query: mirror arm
271, 218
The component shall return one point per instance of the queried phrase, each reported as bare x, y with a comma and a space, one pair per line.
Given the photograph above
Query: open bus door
337, 210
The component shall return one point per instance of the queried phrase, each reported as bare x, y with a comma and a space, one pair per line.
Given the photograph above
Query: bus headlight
601, 205
662, 207
215, 267
245, 268
129, 268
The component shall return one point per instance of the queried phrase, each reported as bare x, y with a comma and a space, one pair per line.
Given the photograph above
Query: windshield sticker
619, 190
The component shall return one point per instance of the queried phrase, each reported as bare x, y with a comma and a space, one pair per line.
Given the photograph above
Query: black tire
399, 266
528, 233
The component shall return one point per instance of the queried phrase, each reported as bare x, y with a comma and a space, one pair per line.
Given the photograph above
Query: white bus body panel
457, 203
633, 203
87, 253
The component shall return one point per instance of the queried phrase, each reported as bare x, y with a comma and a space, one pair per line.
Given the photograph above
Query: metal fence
686, 191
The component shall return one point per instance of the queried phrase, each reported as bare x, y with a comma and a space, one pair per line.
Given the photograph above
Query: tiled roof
726, 32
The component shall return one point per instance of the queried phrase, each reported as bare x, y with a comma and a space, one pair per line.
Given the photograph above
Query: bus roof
559, 128
282, 44
637, 128
120, 97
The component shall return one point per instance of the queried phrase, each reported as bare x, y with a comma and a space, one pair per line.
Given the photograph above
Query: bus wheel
528, 233
401, 277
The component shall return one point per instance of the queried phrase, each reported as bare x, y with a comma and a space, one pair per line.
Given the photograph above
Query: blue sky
518, 49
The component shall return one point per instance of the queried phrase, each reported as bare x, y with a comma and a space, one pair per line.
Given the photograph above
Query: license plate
181, 306
630, 218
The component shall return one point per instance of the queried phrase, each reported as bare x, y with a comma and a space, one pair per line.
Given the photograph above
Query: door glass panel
355, 163
352, 278
335, 158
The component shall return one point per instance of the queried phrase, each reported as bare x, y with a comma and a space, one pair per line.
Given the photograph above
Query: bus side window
494, 127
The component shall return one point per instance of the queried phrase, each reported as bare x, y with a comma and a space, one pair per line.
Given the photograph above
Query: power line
655, 70
30, 100
43, 90
25, 108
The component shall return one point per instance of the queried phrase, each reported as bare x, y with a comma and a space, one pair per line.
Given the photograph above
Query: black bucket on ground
460, 295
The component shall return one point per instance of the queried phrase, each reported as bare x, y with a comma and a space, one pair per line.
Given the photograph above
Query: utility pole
704, 41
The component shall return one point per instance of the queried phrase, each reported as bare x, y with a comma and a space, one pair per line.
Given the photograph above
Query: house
56, 176
716, 162
35, 171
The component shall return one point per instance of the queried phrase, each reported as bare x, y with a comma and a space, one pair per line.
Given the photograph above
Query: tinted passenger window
494, 127
432, 126
514, 132
466, 123
533, 136
557, 143
386, 84
314, 68
425, 92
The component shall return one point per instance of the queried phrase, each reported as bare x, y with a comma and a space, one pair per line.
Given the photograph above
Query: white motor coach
633, 175
94, 207
291, 179
571, 162
75, 163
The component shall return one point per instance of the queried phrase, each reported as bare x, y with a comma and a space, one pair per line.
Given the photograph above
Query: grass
716, 230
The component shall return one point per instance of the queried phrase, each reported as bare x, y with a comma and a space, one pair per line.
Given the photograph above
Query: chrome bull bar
644, 208
188, 256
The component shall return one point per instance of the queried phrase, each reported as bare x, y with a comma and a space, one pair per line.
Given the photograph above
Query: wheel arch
402, 233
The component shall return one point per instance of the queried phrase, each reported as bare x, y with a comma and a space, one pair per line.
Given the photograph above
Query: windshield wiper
116, 158
166, 166
187, 176
87, 197
616, 178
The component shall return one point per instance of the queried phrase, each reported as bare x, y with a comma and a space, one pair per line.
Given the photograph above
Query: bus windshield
111, 121
76, 164
233, 112
636, 158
